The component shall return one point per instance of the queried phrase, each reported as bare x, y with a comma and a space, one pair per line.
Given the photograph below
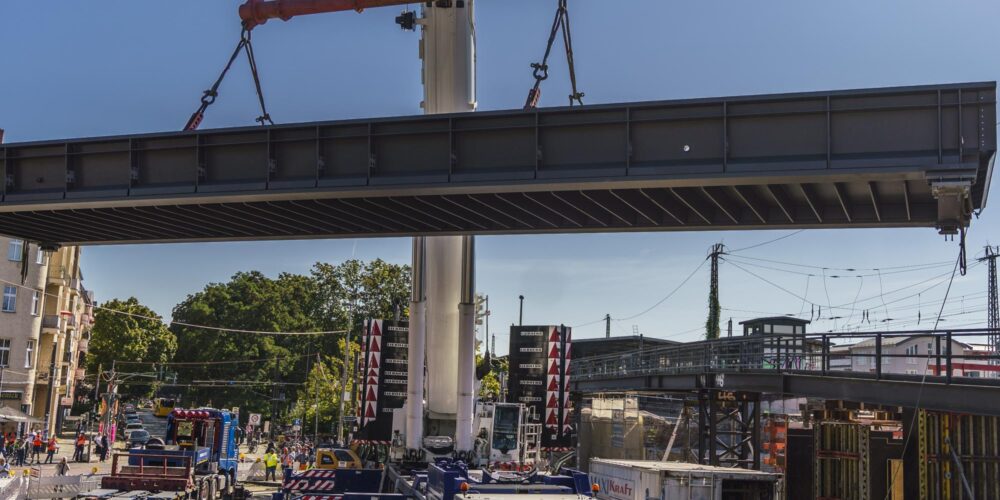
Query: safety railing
944, 355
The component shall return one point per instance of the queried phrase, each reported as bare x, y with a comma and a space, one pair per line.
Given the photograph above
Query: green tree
370, 290
126, 330
251, 302
322, 392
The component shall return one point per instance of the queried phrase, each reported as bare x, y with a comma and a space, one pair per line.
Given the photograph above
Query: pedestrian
20, 450
52, 447
105, 447
270, 465
81, 442
4, 468
36, 448
62, 468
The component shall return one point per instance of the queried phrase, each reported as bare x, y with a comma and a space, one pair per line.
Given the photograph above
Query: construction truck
197, 458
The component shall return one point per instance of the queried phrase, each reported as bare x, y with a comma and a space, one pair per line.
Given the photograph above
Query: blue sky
74, 69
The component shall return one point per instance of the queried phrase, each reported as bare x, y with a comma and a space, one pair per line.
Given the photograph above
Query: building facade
45, 322
20, 321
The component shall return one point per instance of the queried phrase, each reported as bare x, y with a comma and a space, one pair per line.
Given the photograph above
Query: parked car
133, 427
138, 438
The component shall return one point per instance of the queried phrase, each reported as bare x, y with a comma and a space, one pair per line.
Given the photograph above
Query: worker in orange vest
81, 441
36, 448
52, 447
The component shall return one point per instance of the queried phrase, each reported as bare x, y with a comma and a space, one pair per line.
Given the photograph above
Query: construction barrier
60, 486
255, 472
13, 488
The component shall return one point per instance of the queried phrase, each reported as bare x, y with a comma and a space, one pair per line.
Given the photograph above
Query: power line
664, 299
849, 269
768, 242
199, 363
179, 323
923, 379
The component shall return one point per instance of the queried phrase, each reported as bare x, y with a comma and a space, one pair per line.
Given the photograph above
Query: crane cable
209, 96
541, 70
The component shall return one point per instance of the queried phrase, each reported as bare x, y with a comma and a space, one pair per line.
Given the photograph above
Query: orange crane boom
257, 12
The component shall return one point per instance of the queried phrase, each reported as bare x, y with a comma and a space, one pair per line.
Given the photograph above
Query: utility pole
712, 324
343, 373
992, 310
607, 326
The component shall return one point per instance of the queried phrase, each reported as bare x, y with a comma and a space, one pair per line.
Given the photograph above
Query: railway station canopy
894, 157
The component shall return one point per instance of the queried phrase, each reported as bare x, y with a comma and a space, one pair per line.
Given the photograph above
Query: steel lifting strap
209, 96
541, 70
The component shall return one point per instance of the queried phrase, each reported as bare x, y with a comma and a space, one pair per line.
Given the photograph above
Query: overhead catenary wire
959, 262
768, 242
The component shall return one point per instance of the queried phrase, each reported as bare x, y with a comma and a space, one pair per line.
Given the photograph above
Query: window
36, 302
4, 352
29, 354
14, 250
9, 298
40, 256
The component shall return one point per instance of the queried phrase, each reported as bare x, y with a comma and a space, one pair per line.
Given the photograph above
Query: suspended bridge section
893, 157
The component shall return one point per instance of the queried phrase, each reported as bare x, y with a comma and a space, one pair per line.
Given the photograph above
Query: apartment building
917, 355
68, 313
20, 322
44, 329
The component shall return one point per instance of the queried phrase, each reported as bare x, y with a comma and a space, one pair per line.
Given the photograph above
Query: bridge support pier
729, 428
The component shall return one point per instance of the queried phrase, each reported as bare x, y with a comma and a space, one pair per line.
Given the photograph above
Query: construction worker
36, 448
81, 442
51, 449
271, 465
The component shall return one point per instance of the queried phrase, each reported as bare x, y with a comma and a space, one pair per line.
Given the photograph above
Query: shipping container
648, 480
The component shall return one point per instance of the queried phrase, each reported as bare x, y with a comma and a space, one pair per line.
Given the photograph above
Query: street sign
254, 419
297, 422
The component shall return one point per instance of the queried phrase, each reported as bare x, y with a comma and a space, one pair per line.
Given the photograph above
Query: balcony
58, 275
79, 373
50, 321
83, 345
74, 283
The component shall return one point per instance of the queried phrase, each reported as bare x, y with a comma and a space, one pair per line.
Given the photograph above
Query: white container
647, 480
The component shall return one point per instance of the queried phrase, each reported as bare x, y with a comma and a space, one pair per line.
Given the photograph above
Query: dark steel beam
531, 213
640, 205
503, 213
605, 203
873, 192
668, 165
838, 190
690, 206
663, 202
906, 200
716, 200
810, 196
776, 194
745, 198
536, 200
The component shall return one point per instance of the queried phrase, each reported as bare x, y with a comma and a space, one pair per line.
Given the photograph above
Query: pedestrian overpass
894, 157
806, 366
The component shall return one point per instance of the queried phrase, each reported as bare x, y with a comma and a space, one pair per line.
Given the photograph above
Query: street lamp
520, 314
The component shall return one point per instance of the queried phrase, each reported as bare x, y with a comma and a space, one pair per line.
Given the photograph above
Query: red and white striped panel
320, 497
296, 484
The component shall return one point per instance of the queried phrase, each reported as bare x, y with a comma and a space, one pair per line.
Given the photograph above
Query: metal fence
941, 355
